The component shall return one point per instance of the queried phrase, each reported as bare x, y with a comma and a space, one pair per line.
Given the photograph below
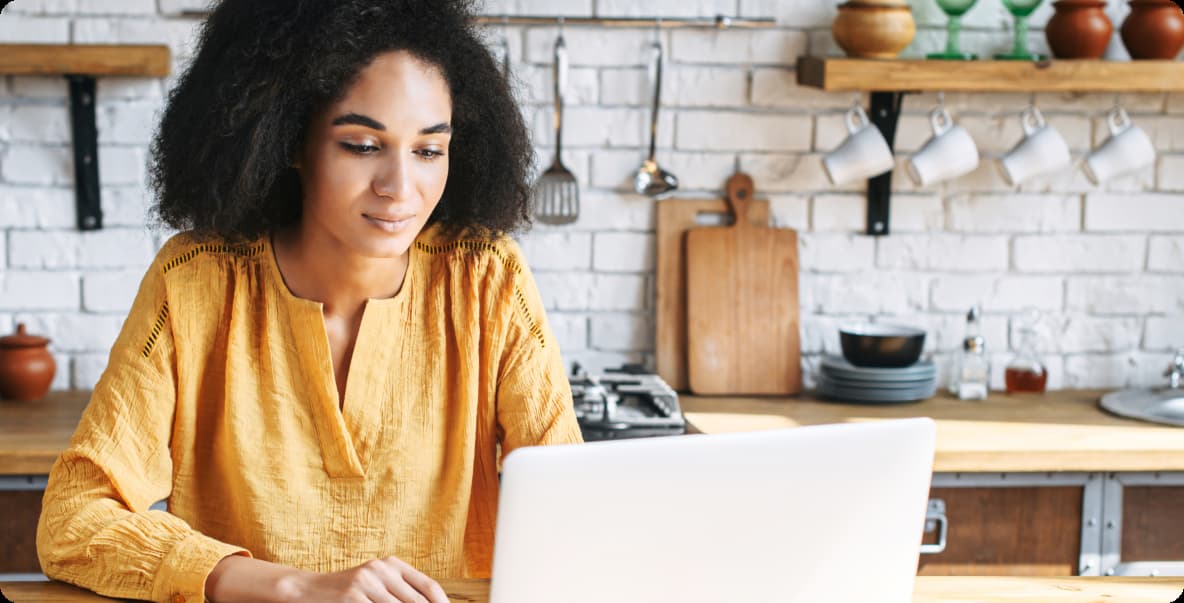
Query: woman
318, 374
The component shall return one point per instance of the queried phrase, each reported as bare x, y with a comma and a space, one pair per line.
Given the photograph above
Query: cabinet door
18, 531
1013, 531
1152, 524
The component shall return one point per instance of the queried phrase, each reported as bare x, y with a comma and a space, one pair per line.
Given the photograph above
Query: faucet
1175, 371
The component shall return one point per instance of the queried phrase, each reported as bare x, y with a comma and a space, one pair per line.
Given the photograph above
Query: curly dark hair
222, 153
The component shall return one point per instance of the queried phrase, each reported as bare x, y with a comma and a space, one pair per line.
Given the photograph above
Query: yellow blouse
219, 396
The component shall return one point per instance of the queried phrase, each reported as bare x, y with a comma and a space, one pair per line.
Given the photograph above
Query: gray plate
862, 384
839, 392
839, 367
1160, 406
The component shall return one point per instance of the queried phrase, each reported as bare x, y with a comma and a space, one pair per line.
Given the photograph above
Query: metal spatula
557, 194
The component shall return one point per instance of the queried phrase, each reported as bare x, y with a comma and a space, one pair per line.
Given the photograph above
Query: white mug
863, 154
1128, 149
1042, 150
950, 153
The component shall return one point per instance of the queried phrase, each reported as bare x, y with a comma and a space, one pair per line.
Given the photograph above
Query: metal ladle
650, 179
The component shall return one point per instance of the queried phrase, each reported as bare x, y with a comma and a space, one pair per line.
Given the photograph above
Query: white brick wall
1104, 264
1080, 253
1155, 213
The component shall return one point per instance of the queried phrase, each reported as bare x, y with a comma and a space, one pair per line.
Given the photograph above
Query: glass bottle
973, 368
1025, 373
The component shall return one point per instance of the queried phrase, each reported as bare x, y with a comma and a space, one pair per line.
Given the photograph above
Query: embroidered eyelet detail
240, 250
157, 327
163, 314
470, 245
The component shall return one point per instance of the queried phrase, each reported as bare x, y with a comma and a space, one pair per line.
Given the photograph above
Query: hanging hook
561, 27
941, 99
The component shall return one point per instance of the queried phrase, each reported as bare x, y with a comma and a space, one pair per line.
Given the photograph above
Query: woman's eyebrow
440, 128
369, 122
358, 120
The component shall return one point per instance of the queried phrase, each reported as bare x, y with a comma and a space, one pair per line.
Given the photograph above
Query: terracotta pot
26, 367
1153, 30
873, 31
1079, 29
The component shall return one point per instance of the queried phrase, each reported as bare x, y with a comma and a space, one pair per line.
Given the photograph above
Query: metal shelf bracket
884, 113
86, 152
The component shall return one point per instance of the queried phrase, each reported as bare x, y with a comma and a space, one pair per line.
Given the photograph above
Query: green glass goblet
954, 9
1021, 10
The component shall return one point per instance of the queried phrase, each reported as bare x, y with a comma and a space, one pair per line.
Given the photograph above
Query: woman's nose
394, 180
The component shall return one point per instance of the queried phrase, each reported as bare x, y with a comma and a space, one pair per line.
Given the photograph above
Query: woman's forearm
237, 578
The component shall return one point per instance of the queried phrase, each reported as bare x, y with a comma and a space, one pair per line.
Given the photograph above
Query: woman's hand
388, 580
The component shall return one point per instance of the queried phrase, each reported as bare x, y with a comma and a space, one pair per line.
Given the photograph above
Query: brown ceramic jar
26, 366
1153, 30
1079, 29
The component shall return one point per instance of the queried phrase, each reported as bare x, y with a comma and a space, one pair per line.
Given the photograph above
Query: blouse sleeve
534, 403
96, 529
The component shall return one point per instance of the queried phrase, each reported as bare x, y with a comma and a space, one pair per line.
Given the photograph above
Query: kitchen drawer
1142, 530
1152, 523
1014, 531
18, 531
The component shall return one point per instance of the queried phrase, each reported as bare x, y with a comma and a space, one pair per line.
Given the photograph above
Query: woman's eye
430, 154
360, 149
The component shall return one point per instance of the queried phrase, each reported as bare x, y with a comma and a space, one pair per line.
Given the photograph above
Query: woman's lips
390, 224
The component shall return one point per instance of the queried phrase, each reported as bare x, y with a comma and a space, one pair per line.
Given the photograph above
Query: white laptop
811, 515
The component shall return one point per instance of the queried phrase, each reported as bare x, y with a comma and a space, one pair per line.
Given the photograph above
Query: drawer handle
935, 519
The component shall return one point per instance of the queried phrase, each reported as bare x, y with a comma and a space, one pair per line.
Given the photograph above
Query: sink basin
1158, 405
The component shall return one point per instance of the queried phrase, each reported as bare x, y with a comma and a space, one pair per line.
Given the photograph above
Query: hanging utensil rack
716, 22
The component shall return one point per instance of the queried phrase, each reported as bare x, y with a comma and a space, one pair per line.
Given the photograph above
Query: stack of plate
841, 380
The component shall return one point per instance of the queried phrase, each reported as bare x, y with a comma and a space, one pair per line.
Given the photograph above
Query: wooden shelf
92, 60
901, 75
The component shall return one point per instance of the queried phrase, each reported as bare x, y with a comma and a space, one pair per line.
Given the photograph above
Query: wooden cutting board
675, 218
742, 304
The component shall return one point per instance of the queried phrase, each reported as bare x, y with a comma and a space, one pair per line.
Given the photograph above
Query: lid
974, 344
21, 339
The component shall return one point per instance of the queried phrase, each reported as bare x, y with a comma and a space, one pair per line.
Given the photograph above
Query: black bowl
879, 345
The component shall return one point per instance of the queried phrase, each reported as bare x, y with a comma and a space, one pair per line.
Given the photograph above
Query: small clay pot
26, 366
873, 31
1153, 30
1079, 29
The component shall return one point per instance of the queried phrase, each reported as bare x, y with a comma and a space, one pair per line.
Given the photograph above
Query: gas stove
625, 402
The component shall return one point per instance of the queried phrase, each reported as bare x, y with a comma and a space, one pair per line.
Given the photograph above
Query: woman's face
375, 163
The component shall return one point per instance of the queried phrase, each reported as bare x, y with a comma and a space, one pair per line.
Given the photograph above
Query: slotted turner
557, 194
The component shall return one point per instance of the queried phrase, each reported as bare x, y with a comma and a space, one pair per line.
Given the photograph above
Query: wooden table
928, 590
1057, 431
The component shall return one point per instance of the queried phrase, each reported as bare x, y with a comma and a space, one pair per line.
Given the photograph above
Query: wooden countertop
929, 589
33, 434
1058, 431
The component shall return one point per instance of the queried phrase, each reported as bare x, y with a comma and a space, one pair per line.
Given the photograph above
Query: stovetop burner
625, 402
